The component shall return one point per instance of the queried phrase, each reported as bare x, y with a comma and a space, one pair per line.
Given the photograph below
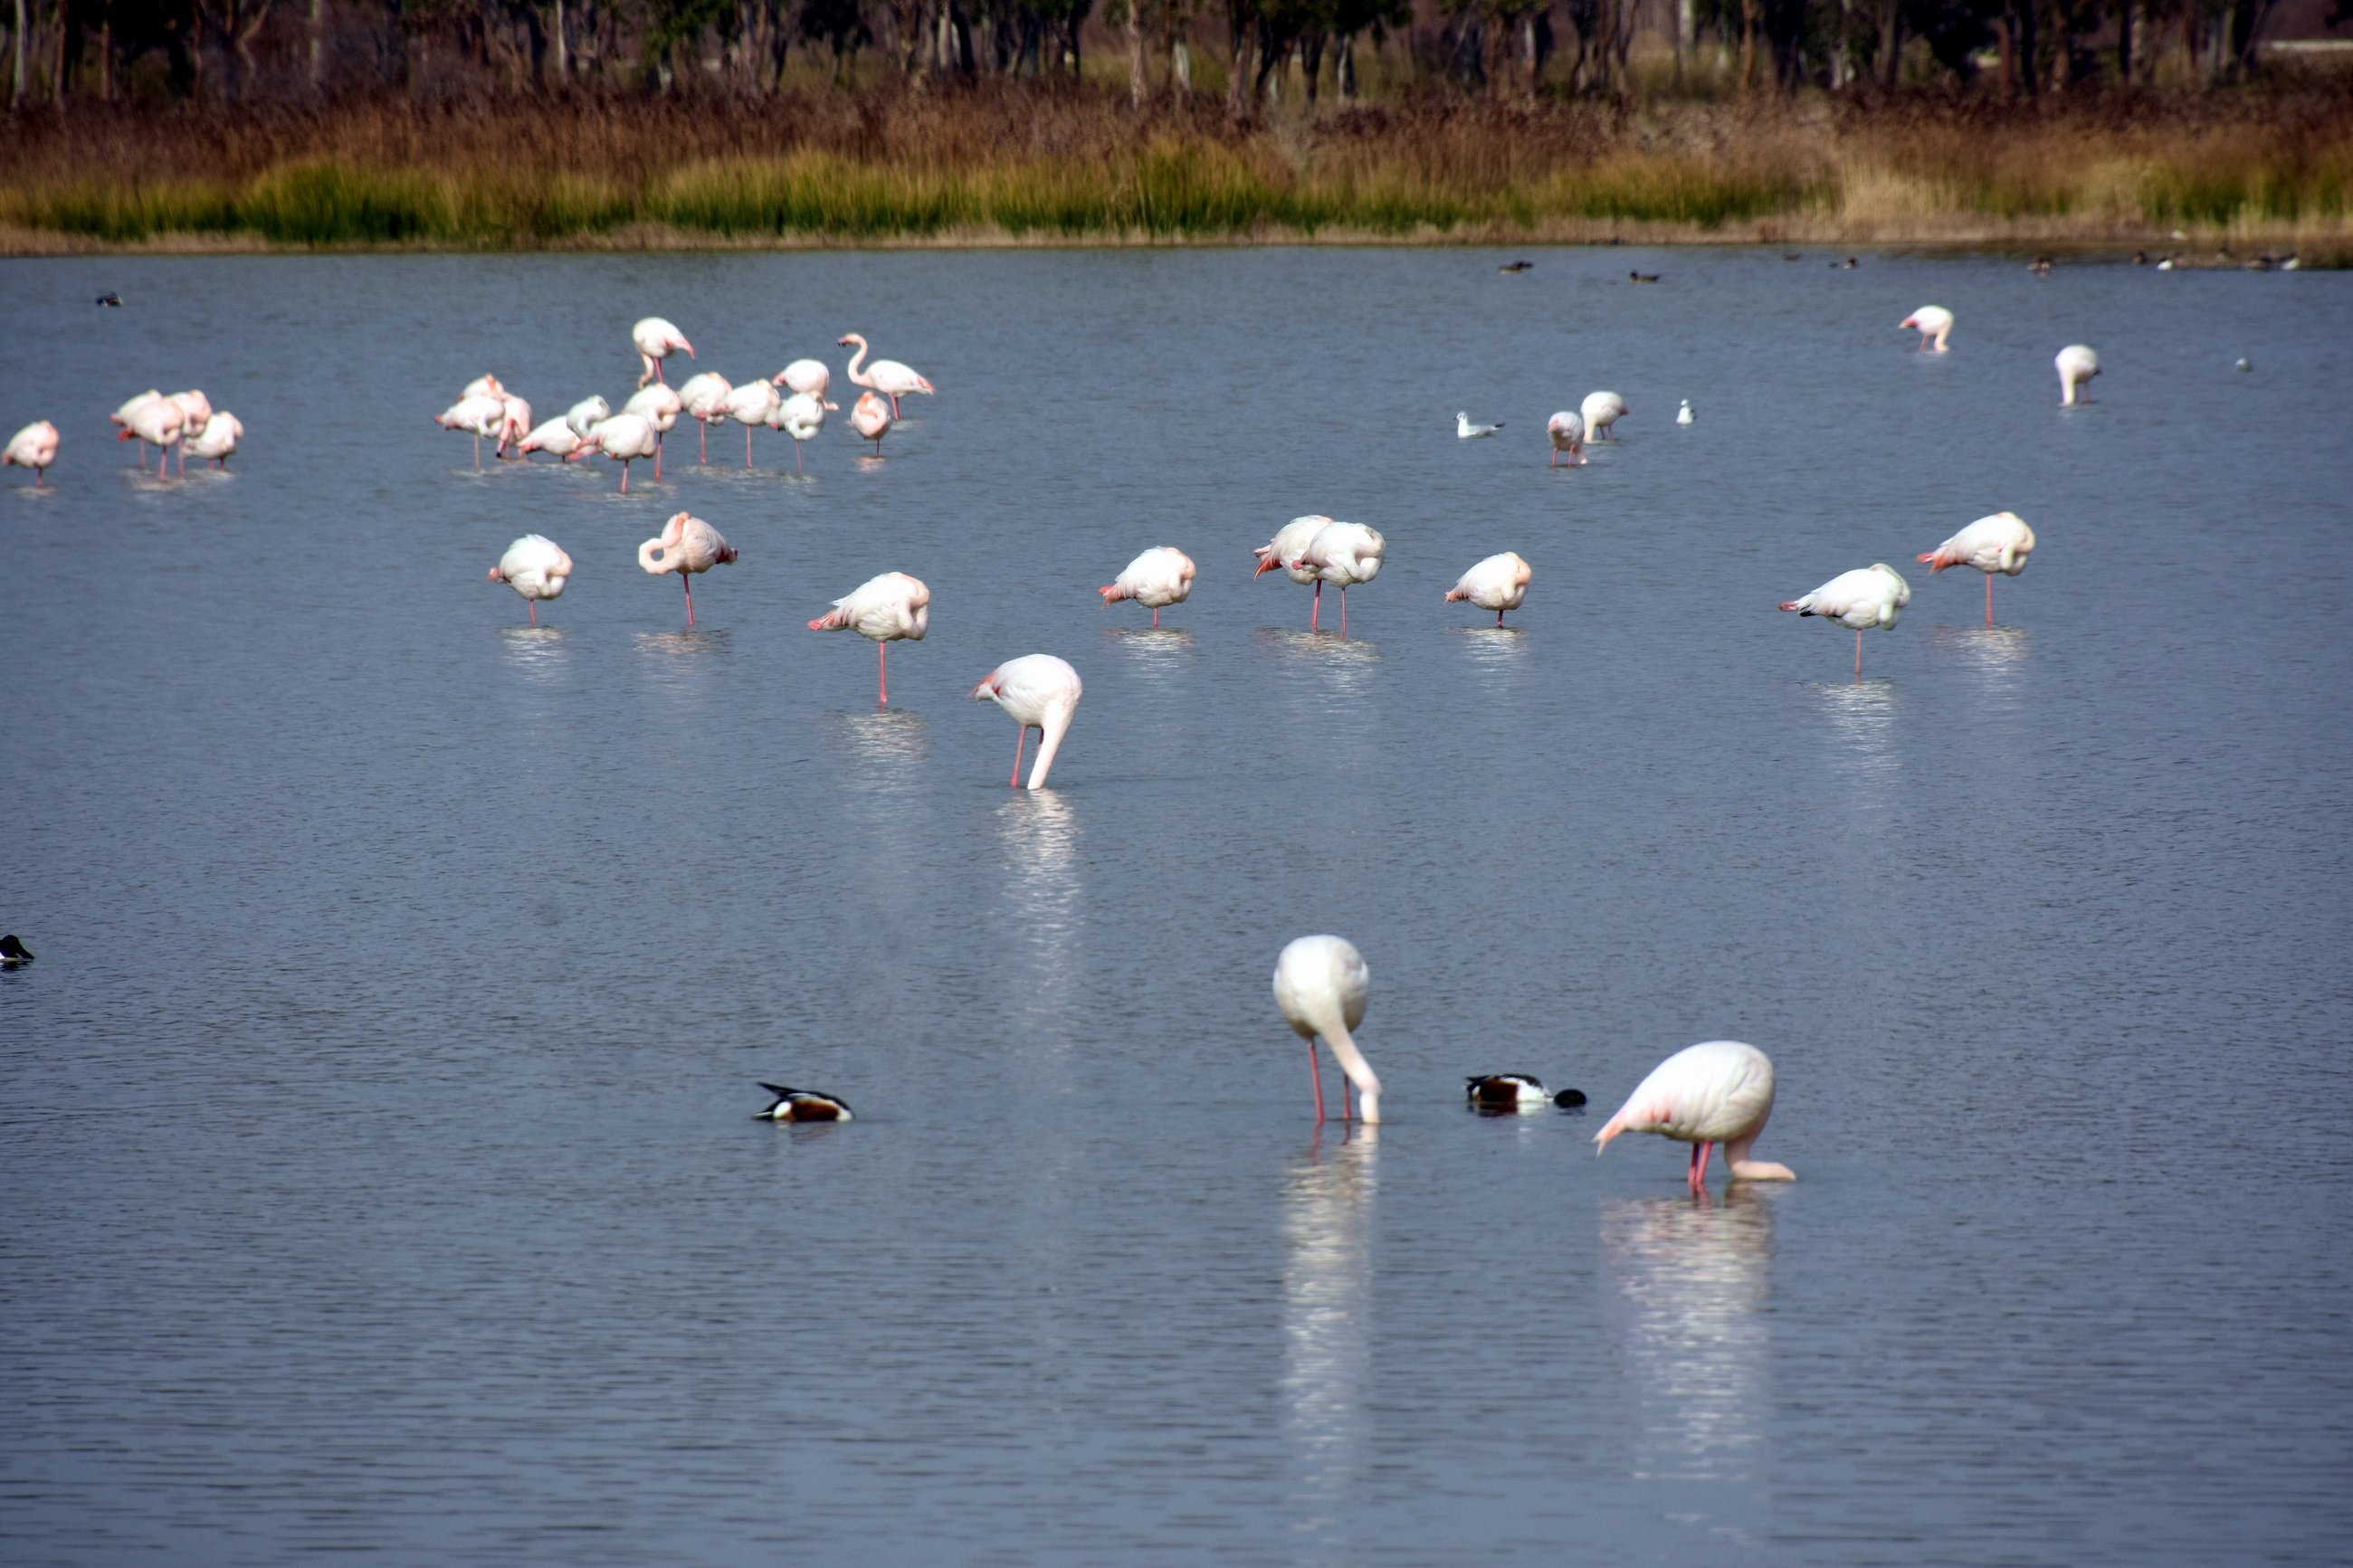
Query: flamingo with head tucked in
655, 340
1346, 554
557, 436
754, 402
1566, 431
153, 420
1321, 982
35, 447
686, 546
218, 440
887, 376
1286, 552
536, 567
1041, 692
1868, 598
1720, 1091
2000, 544
659, 407
1159, 577
892, 607
625, 438
1602, 410
476, 416
801, 416
870, 420
1499, 582
196, 412
704, 399
807, 375
1934, 324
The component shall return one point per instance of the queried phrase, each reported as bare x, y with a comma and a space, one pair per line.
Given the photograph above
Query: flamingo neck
1050, 731
1352, 1062
857, 360
652, 561
1744, 1168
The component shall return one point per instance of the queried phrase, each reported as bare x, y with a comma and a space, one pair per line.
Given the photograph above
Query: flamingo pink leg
535, 610
658, 451
1858, 655
895, 405
701, 442
883, 648
1315, 1072
478, 451
1700, 1153
477, 459
1316, 609
1499, 619
1344, 610
747, 445
797, 459
1988, 599
1020, 739
1156, 620
1347, 1099
687, 582
625, 475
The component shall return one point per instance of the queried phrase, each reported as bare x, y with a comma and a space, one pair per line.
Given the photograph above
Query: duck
1642, 277
12, 952
803, 1105
1515, 267
111, 299
1517, 1091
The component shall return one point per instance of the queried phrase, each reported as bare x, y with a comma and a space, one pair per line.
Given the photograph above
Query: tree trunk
1237, 79
1686, 30
1891, 42
1344, 69
1136, 83
16, 73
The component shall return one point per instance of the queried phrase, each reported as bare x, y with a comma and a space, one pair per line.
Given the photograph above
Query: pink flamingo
1161, 576
2000, 544
870, 420
154, 420
1284, 552
477, 416
1934, 324
655, 340
888, 608
1346, 554
218, 440
536, 568
625, 437
1717, 1092
557, 436
1320, 983
1041, 692
35, 447
514, 422
807, 375
687, 545
1868, 598
887, 376
705, 398
1499, 582
659, 407
754, 402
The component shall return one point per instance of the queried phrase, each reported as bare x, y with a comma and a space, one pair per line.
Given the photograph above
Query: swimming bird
1601, 410
655, 340
659, 407
1346, 554
2077, 365
754, 402
870, 420
1466, 431
2243, 365
1288, 549
35, 447
808, 375
1041, 692
156, 420
1642, 277
555, 436
110, 298
1683, 415
1515, 267
1498, 583
476, 416
686, 546
1320, 983
887, 376
1998, 543
1934, 324
705, 398
2040, 267
1720, 1091
1506, 1092
625, 438
803, 1105
801, 416
1867, 598
1566, 431
13, 952
218, 438
536, 568
888, 608
586, 415
1159, 577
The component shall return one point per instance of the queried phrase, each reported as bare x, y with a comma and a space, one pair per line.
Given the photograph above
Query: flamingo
890, 608
2077, 365
1934, 324
1720, 1091
476, 417
484, 385
1602, 410
1567, 433
754, 402
1343, 552
869, 420
586, 415
657, 340
801, 416
196, 412
1498, 583
1998, 543
687, 545
1866, 598
1285, 551
704, 397
514, 422
1466, 431
35, 447
659, 407
218, 438
1320, 983
555, 436
1041, 692
625, 438
154, 420
807, 375
887, 376
1159, 577
803, 1105
536, 568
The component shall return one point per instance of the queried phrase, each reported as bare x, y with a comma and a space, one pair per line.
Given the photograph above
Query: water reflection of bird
536, 567
1694, 1276
1499, 582
2000, 544
1320, 983
887, 376
1720, 1091
1327, 1309
686, 546
1041, 692
1159, 577
655, 340
1934, 324
1865, 599
887, 609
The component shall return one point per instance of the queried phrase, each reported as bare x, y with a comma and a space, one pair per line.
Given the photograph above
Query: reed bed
1075, 165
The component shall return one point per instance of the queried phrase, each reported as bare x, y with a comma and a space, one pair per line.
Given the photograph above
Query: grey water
377, 1150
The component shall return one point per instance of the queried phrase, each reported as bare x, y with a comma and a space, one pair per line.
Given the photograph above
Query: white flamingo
1720, 1091
1286, 552
655, 340
754, 402
659, 407
870, 420
35, 447
218, 438
801, 416
2000, 544
1041, 692
887, 376
1346, 554
625, 438
536, 568
1868, 598
1567, 432
893, 607
1499, 582
475, 416
2077, 365
807, 375
705, 398
154, 420
1934, 324
586, 415
686, 546
1159, 577
555, 436
1320, 983
1602, 410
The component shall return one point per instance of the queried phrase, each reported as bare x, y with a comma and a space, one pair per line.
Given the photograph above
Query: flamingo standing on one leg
890, 608
156, 421
1934, 324
659, 407
1567, 433
807, 375
35, 447
656, 340
801, 416
1602, 410
123, 416
754, 402
870, 420
536, 568
1161, 576
2000, 544
476, 417
1717, 1092
1344, 552
1286, 552
705, 398
686, 546
1868, 598
196, 412
887, 376
1041, 692
2077, 365
1320, 983
625, 438
1499, 582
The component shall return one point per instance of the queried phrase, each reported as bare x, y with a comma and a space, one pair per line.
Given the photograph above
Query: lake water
379, 1161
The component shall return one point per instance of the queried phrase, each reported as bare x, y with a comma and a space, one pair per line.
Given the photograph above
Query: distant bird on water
1683, 415
13, 952
2077, 365
1566, 433
1041, 693
35, 447
803, 1105
1720, 1091
1321, 982
686, 546
1159, 577
887, 609
110, 298
1466, 431
1499, 582
2000, 544
1934, 324
1642, 277
536, 568
655, 340
1865, 599
887, 376
1515, 267
1517, 1091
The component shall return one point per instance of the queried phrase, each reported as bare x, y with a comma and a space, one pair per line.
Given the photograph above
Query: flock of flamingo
1720, 1091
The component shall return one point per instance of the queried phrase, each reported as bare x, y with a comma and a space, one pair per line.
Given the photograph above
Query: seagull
1683, 415
1466, 431
803, 1105
110, 298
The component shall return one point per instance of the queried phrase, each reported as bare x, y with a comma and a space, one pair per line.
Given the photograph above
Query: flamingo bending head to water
2077, 365
35, 447
1601, 411
1720, 1091
2000, 544
705, 398
1868, 598
1934, 324
686, 546
1566, 431
1499, 582
1041, 692
1159, 577
893, 607
887, 376
536, 568
1320, 983
655, 340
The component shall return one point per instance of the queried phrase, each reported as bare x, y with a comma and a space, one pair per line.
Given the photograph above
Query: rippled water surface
376, 1137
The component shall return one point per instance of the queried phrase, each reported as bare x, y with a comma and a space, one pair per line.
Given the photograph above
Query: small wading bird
1567, 432
1683, 415
686, 546
1498, 583
2077, 365
35, 447
2000, 544
1320, 983
1286, 552
655, 340
890, 608
1868, 598
1041, 692
1159, 577
887, 376
1503, 1092
536, 568
1466, 431
1934, 324
803, 1105
1602, 410
1717, 1092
